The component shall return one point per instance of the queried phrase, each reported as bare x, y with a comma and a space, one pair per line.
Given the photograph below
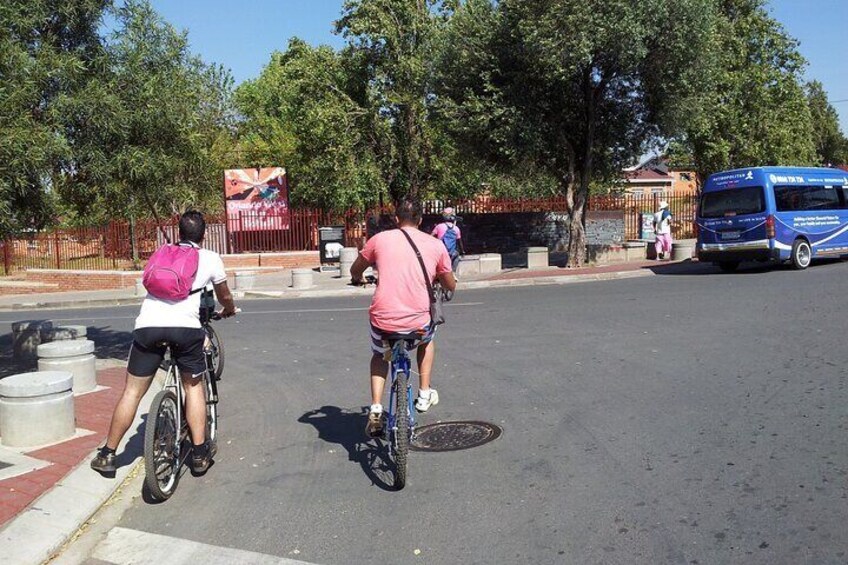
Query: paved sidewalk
48, 492
278, 284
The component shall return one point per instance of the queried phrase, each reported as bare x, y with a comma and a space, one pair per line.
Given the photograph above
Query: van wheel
802, 254
728, 266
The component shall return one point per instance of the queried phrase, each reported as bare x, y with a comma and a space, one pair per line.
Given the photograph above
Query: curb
39, 532
350, 291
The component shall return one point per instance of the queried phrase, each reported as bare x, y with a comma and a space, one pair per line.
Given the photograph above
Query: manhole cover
453, 436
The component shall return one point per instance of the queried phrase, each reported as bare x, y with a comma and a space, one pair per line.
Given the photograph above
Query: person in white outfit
662, 230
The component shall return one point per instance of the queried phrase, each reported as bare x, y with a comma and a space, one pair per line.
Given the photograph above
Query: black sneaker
201, 459
104, 462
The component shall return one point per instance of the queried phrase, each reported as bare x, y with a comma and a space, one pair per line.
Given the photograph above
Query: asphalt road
668, 419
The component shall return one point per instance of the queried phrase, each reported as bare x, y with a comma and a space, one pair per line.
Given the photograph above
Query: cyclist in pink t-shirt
401, 302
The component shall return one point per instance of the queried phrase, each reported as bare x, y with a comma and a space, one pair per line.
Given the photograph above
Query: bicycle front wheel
402, 425
161, 446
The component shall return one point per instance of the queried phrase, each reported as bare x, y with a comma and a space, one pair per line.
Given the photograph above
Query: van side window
797, 198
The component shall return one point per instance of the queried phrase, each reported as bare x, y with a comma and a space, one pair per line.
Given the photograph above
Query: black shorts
149, 346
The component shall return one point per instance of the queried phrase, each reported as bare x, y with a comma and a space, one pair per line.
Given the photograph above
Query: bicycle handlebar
217, 315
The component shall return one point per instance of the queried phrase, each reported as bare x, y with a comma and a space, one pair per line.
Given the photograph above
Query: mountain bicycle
167, 442
399, 430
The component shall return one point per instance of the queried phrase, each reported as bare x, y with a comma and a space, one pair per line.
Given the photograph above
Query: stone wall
509, 232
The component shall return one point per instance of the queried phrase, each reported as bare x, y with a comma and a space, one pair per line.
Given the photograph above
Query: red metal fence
123, 245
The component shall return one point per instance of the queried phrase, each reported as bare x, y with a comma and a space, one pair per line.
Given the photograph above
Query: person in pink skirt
662, 230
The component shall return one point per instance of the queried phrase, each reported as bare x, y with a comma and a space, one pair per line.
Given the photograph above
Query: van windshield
733, 202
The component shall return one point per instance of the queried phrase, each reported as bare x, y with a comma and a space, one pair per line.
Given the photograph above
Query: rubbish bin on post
331, 241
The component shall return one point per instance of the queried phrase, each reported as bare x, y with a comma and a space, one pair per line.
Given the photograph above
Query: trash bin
331, 240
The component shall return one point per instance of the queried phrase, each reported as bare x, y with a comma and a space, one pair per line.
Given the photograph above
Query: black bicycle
166, 438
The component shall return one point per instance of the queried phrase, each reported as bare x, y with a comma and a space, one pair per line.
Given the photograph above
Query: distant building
654, 176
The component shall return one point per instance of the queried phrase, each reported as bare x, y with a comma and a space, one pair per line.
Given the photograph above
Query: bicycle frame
400, 362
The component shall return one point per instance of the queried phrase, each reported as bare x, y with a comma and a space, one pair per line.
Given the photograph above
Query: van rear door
735, 215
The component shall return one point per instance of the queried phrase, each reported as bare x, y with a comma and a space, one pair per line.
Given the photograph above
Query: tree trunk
577, 202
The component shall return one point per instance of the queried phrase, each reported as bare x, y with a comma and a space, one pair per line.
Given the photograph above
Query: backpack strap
423, 268
195, 246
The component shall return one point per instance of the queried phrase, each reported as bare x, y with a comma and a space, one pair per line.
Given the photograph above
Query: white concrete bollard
302, 278
681, 251
73, 356
468, 265
490, 263
635, 250
27, 336
245, 280
139, 288
346, 258
537, 257
36, 408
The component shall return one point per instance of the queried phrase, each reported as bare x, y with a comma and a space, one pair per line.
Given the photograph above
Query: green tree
570, 89
397, 42
48, 54
831, 145
307, 111
165, 110
751, 109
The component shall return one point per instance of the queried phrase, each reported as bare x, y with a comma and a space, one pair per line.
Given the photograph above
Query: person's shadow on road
346, 428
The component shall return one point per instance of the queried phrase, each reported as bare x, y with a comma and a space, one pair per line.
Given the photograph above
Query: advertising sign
257, 199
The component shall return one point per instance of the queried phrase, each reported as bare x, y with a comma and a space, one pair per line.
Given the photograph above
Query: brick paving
93, 412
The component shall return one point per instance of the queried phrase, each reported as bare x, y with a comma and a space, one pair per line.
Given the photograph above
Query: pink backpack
170, 272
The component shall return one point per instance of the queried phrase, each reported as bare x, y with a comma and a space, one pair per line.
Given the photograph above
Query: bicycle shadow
346, 428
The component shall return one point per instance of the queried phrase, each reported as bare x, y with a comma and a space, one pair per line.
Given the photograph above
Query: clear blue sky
242, 35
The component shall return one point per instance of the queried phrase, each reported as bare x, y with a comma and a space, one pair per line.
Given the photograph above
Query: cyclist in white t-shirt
163, 322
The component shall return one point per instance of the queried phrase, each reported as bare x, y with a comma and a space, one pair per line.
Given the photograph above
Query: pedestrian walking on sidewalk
662, 230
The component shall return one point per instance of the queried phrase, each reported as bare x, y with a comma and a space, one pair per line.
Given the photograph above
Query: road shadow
691, 267
108, 344
346, 428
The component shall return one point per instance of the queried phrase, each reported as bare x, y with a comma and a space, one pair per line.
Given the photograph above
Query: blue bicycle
399, 430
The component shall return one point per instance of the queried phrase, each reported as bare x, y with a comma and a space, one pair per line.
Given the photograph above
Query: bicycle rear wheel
402, 433
161, 446
216, 355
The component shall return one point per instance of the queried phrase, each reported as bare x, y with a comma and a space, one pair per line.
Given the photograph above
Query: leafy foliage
306, 111
831, 145
751, 109
569, 88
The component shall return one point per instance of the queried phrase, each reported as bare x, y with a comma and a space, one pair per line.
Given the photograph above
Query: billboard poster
257, 199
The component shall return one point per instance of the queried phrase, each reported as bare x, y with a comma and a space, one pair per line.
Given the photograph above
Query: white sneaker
422, 403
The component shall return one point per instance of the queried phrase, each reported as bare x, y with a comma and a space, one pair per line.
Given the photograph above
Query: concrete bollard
245, 280
537, 257
139, 288
27, 336
73, 356
468, 265
680, 251
302, 278
64, 333
36, 408
490, 263
635, 250
346, 258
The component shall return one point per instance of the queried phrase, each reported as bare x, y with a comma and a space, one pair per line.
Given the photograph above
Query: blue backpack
449, 239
